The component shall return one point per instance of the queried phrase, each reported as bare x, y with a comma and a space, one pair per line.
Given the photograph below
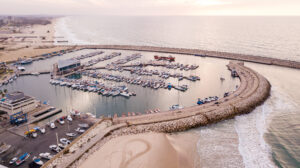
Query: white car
65, 141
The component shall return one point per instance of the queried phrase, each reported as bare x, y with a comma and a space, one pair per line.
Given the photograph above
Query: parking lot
40, 144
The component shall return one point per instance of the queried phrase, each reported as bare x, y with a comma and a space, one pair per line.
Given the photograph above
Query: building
66, 66
17, 105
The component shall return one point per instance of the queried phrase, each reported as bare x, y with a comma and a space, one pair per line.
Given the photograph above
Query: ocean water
267, 137
266, 36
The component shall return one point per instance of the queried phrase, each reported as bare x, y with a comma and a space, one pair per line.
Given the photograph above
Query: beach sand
39, 40
147, 150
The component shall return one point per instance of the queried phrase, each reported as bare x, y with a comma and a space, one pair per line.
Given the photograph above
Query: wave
63, 29
252, 127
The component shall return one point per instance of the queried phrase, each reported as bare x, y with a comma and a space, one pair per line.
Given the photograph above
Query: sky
150, 7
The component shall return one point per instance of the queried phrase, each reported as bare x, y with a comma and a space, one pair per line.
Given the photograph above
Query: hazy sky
151, 7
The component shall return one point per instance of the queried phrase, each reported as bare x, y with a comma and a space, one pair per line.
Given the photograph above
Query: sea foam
252, 127
63, 29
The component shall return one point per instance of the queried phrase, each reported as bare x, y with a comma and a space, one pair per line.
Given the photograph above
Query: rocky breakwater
253, 90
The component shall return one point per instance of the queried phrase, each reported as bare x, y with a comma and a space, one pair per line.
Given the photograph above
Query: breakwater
253, 90
198, 52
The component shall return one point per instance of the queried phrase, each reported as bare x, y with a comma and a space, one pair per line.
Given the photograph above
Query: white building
16, 102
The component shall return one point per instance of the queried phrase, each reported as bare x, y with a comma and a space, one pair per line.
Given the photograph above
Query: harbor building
66, 66
17, 105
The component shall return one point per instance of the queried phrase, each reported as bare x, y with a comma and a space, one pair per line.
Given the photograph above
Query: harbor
107, 86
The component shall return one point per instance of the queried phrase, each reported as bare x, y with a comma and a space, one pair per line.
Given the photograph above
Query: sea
267, 137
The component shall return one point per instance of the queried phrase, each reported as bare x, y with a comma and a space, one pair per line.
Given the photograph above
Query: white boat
125, 94
13, 160
52, 125
55, 148
46, 155
35, 73
176, 107
79, 130
71, 134
64, 141
37, 161
69, 118
21, 68
43, 130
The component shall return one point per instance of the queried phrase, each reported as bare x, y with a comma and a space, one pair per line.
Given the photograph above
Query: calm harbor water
267, 137
210, 70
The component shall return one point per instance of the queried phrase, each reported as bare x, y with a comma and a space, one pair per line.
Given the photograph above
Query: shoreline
254, 89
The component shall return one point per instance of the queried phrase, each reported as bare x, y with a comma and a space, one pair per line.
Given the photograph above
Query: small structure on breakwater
66, 66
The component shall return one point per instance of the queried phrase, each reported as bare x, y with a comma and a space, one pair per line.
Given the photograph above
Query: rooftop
14, 97
67, 62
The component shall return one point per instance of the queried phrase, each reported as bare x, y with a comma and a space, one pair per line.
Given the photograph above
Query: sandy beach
28, 41
144, 150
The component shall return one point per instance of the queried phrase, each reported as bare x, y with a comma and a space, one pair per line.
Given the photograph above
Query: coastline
32, 41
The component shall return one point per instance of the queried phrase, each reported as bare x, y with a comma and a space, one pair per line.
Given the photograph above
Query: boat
13, 160
46, 155
83, 125
125, 94
169, 58
37, 161
26, 61
69, 118
55, 148
70, 134
35, 73
176, 107
199, 102
22, 158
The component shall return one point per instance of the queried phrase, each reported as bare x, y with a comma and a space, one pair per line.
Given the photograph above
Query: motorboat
47, 156
37, 161
176, 107
61, 121
71, 134
65, 141
83, 125
79, 130
13, 160
55, 148
69, 118
52, 125
22, 158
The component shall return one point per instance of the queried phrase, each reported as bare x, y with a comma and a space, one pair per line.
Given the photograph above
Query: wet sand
143, 150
